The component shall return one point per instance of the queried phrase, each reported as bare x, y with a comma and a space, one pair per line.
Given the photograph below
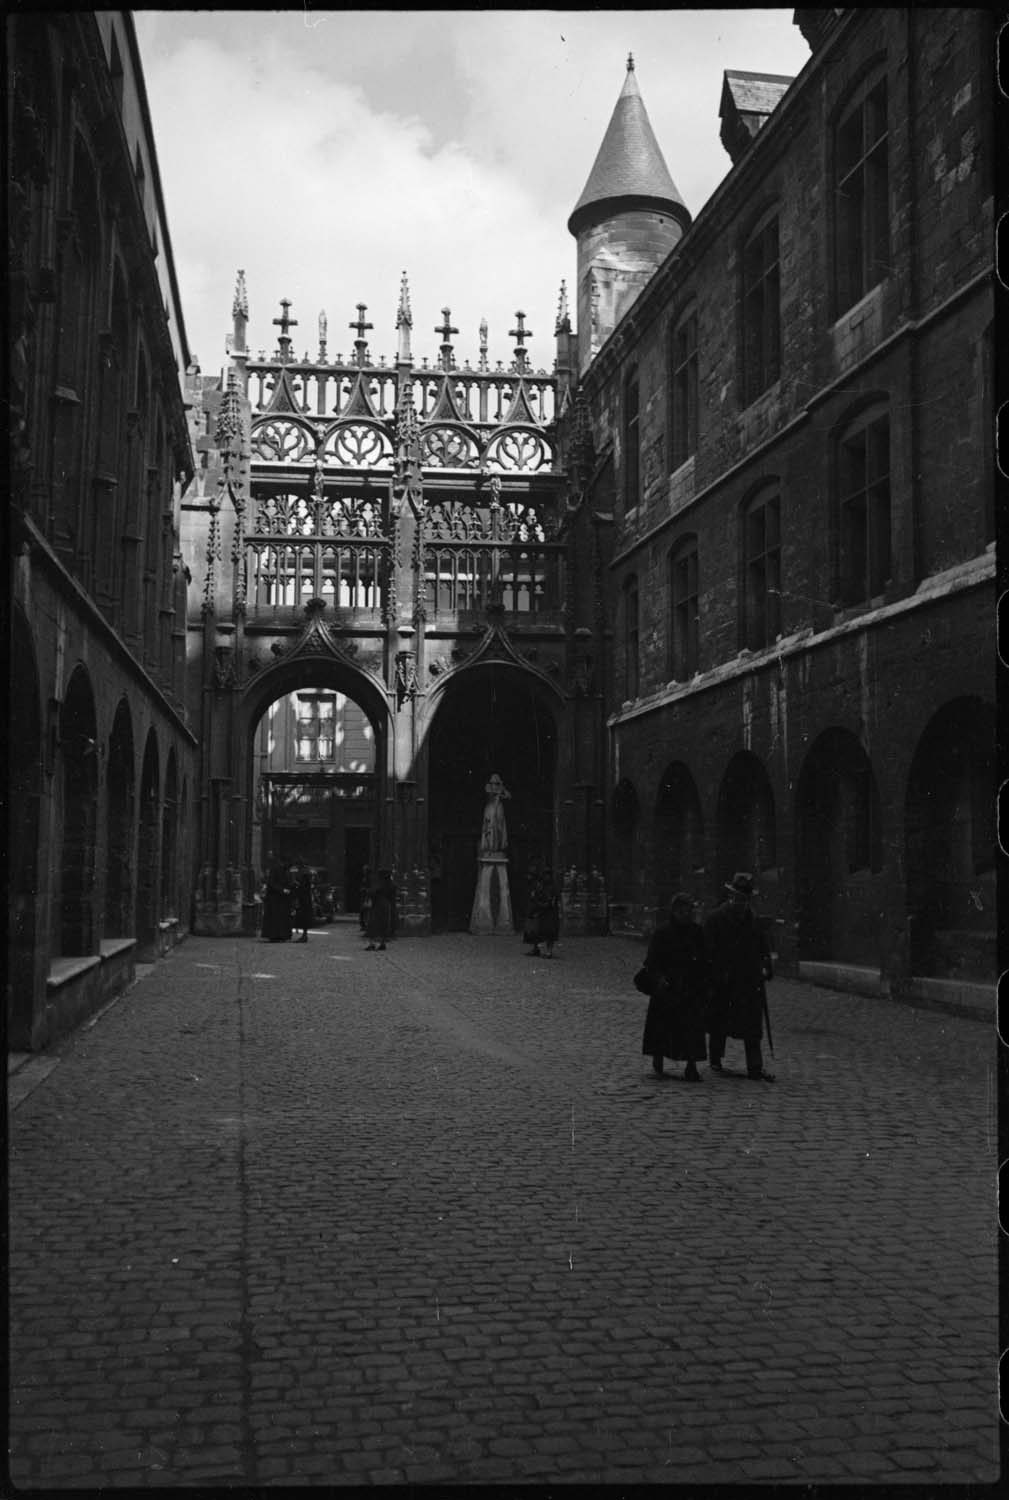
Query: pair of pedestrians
708, 979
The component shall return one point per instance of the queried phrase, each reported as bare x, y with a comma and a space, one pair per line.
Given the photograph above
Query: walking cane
767, 1018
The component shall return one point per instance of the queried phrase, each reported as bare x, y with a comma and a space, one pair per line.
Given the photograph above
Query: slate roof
630, 163
754, 93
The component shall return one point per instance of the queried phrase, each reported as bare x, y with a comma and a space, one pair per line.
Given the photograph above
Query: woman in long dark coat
544, 922
304, 905
677, 966
277, 906
379, 928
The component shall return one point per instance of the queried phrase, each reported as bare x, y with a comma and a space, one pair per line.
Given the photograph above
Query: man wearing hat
740, 959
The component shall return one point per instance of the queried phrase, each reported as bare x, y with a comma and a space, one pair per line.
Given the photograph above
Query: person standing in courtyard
740, 959
543, 914
677, 968
277, 905
304, 906
379, 928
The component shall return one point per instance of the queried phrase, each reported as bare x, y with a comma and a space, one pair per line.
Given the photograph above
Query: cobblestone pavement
310, 1214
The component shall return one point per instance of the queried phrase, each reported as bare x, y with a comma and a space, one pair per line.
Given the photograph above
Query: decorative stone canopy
629, 170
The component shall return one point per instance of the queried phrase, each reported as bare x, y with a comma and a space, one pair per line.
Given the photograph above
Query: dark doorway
840, 852
148, 884
491, 721
25, 760
78, 744
950, 845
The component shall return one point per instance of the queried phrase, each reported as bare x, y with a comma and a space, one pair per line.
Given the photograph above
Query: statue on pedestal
494, 836
492, 911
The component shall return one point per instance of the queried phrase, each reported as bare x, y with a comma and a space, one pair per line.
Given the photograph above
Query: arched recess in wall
678, 841
148, 849
949, 840
120, 833
491, 717
170, 840
295, 799
185, 856
78, 737
625, 820
840, 852
25, 772
746, 827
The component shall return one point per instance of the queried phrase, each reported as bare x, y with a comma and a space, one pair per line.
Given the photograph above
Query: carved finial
630, 62
361, 343
483, 344
520, 333
404, 323
240, 306
322, 336
446, 330
284, 323
404, 315
563, 324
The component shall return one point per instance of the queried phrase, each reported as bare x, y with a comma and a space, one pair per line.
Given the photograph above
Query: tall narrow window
631, 638
632, 441
683, 436
761, 308
684, 611
761, 537
314, 729
863, 514
862, 219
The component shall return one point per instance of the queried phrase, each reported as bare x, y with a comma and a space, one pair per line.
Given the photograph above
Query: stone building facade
393, 530
790, 432
710, 589
101, 758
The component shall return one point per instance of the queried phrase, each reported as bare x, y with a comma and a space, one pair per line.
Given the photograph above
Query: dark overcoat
304, 905
277, 908
380, 916
544, 924
740, 959
676, 962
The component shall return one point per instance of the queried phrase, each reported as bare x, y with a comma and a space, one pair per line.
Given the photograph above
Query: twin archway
430, 771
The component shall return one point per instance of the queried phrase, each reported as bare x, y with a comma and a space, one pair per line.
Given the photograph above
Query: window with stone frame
863, 521
632, 441
315, 727
631, 637
761, 307
683, 609
861, 193
761, 568
683, 389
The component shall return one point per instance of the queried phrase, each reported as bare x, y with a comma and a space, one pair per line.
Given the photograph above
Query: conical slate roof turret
630, 170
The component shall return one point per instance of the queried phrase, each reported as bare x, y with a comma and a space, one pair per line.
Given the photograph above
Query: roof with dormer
629, 169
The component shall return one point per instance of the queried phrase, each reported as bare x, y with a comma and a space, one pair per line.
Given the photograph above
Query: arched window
632, 441
761, 307
861, 188
863, 547
683, 612
683, 389
760, 536
631, 637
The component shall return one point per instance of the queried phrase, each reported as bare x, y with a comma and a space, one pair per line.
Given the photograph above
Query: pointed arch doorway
491, 718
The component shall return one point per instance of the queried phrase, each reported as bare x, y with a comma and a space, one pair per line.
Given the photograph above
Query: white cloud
327, 154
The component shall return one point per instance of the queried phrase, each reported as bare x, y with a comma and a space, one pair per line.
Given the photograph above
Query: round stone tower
627, 220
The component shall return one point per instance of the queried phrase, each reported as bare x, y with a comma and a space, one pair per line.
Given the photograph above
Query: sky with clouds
325, 152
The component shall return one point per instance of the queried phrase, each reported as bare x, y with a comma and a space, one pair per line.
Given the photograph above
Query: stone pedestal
492, 907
